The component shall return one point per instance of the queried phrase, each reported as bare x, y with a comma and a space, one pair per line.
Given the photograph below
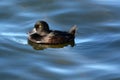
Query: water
95, 55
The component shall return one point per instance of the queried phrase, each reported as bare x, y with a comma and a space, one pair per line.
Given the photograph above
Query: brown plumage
42, 35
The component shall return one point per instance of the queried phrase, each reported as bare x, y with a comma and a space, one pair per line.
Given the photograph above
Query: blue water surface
95, 55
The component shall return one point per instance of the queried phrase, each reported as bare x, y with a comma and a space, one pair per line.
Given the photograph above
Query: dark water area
95, 56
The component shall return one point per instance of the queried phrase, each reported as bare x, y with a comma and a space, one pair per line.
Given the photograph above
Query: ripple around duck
16, 37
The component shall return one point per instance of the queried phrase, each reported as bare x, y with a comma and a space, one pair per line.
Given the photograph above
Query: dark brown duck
43, 35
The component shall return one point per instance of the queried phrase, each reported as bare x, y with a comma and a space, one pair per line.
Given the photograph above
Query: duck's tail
73, 30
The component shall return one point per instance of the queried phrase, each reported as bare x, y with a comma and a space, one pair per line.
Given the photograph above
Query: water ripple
94, 57
16, 37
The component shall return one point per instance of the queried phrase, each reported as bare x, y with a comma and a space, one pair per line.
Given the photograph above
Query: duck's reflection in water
45, 46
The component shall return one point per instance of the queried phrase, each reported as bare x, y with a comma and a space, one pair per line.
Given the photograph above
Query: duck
41, 34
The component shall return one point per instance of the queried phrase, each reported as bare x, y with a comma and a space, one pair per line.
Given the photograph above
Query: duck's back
58, 37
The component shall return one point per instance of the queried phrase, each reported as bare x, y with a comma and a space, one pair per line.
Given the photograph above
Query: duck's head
41, 26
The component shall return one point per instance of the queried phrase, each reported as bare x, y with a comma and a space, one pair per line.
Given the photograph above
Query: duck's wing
58, 37
58, 33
